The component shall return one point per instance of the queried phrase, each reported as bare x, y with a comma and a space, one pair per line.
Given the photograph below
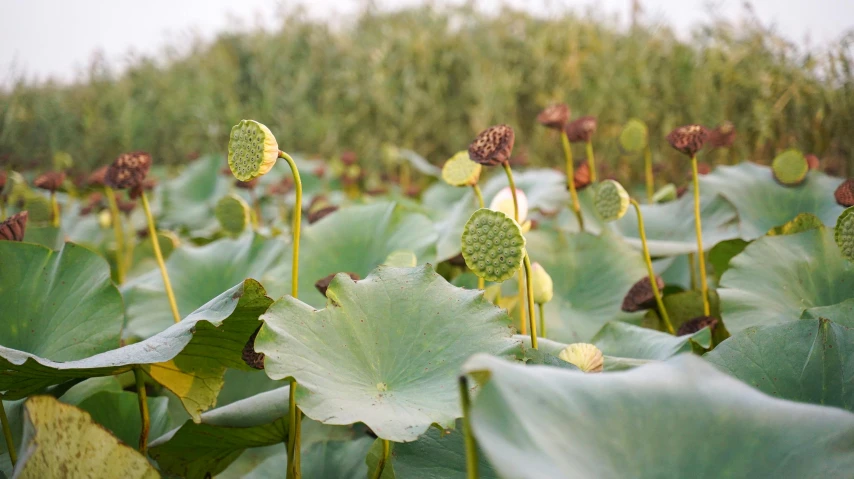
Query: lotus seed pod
844, 194
554, 116
844, 234
641, 296
128, 170
543, 285
14, 227
688, 139
503, 202
232, 212
633, 138
587, 357
401, 259
253, 359
693, 325
581, 130
790, 168
666, 193
39, 208
50, 181
493, 245
318, 214
252, 150
105, 220
98, 177
723, 136
581, 175
812, 161
459, 170
799, 224
323, 284
611, 200
493, 146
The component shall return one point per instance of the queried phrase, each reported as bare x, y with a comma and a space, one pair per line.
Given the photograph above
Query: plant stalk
651, 272
481, 283
118, 232
542, 308
591, 161
701, 257
531, 320
143, 410
155, 243
297, 222
570, 180
647, 168
523, 325
292, 426
7, 434
693, 270
383, 459
510, 180
54, 207
468, 435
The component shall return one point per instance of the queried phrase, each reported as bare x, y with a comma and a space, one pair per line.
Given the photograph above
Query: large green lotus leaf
385, 351
188, 200
61, 440
591, 275
47, 236
197, 274
333, 459
808, 361
189, 358
544, 188
776, 278
842, 313
679, 418
354, 239
762, 203
438, 454
118, 412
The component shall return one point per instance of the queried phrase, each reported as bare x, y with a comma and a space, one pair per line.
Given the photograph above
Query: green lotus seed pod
586, 357
39, 208
252, 150
611, 200
402, 258
633, 138
790, 168
802, 222
233, 214
665, 194
844, 234
543, 285
459, 170
493, 245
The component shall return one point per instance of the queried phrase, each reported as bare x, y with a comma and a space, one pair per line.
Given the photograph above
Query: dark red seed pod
128, 170
640, 295
581, 130
554, 116
323, 284
252, 359
319, 214
581, 175
688, 139
50, 181
13, 228
723, 136
844, 194
98, 177
693, 325
493, 146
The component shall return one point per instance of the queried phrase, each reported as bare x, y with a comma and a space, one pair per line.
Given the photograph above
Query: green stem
650, 180
481, 283
512, 190
118, 232
292, 426
143, 410
384, 459
693, 270
531, 321
298, 447
591, 161
570, 179
256, 209
7, 434
651, 272
2, 209
297, 222
701, 257
523, 326
468, 436
542, 308
54, 207
155, 243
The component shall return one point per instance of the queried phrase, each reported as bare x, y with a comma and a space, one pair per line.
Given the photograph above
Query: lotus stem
405, 176
701, 257
155, 243
54, 207
143, 410
570, 179
297, 222
531, 320
384, 459
591, 160
292, 426
542, 308
481, 283
7, 434
693, 271
512, 190
298, 447
650, 180
118, 232
468, 436
651, 272
256, 209
2, 209
523, 326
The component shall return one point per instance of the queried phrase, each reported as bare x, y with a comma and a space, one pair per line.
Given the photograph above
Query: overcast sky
58, 37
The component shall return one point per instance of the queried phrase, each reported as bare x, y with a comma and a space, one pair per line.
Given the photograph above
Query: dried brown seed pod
98, 177
247, 185
323, 284
640, 295
844, 194
693, 325
554, 116
581, 176
723, 136
147, 184
126, 207
14, 227
581, 130
349, 158
252, 358
812, 161
50, 181
688, 139
319, 214
128, 170
493, 146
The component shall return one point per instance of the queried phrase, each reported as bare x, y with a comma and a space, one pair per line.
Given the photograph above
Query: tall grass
429, 79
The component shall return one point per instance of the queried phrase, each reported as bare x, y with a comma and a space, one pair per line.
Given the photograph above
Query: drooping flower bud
688, 139
611, 200
252, 150
543, 285
554, 116
587, 357
493, 146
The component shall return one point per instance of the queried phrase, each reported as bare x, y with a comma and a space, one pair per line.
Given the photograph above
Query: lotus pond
258, 314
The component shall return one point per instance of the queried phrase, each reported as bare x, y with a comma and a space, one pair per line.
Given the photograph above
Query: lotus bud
503, 202
844, 194
493, 146
587, 357
554, 116
459, 170
688, 139
693, 325
14, 227
581, 130
493, 245
232, 212
641, 296
105, 220
790, 168
844, 233
50, 181
543, 286
633, 138
323, 284
128, 170
252, 150
611, 200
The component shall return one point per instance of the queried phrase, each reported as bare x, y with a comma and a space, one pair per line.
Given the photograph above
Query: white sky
57, 38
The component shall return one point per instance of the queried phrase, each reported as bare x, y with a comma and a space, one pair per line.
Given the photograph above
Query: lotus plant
556, 117
51, 181
587, 357
633, 139
460, 170
98, 179
503, 202
543, 293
